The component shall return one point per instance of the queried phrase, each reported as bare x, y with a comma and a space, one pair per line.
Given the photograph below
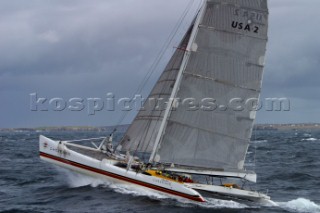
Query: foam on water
300, 205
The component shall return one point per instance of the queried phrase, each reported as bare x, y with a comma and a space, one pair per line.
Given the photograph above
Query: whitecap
300, 205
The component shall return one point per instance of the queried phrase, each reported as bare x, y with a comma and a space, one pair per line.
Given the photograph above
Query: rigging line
162, 113
175, 90
149, 122
151, 125
255, 148
175, 60
164, 49
153, 131
160, 56
177, 57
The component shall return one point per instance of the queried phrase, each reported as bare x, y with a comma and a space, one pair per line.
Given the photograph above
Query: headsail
142, 132
226, 62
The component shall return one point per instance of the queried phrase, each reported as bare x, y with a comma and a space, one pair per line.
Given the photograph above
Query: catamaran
180, 150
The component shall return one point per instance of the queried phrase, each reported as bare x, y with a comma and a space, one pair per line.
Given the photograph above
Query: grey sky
89, 48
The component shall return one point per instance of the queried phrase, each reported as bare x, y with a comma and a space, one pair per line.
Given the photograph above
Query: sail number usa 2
245, 27
250, 16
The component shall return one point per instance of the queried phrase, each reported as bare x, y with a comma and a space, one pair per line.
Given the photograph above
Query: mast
178, 81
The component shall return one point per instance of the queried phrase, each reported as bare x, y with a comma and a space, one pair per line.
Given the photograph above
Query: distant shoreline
123, 128
298, 126
120, 128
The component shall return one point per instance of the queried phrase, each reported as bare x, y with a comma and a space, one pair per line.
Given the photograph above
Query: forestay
226, 62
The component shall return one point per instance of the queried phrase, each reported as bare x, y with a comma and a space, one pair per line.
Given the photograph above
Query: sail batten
219, 81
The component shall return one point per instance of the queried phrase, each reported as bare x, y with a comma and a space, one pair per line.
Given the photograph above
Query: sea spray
75, 180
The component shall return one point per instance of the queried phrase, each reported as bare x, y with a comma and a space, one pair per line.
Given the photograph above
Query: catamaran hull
242, 196
57, 153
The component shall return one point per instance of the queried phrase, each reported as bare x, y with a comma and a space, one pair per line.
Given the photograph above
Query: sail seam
210, 131
219, 81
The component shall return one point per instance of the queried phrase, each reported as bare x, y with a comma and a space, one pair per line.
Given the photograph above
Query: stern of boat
230, 193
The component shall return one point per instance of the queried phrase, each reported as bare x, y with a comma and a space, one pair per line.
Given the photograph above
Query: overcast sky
85, 49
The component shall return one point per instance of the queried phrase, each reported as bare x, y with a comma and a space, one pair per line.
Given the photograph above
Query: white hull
57, 153
53, 152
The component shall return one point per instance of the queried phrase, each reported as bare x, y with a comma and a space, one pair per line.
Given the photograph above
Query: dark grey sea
287, 164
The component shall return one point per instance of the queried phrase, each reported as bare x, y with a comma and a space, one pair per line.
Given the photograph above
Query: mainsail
211, 126
226, 62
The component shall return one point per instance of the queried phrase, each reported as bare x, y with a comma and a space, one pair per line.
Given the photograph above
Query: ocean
287, 164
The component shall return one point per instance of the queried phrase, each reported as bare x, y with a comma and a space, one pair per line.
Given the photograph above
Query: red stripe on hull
109, 174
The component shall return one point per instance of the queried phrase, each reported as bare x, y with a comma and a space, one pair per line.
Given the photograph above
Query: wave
300, 205
310, 139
